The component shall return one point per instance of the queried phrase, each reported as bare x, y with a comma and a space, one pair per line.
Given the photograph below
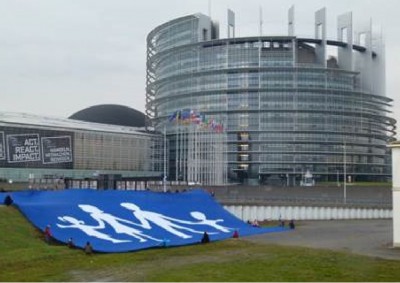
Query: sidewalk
364, 237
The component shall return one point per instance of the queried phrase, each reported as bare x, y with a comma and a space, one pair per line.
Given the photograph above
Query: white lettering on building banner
23, 148
56, 149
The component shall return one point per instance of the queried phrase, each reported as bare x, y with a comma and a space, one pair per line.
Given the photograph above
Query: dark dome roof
111, 114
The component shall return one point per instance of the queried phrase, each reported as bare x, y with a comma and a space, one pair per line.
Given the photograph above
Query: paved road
365, 237
356, 195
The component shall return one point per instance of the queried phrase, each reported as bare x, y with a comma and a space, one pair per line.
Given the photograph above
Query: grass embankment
26, 257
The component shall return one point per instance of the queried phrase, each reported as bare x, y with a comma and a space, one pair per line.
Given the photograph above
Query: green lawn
26, 257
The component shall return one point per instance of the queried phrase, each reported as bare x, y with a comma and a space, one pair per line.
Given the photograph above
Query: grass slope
26, 257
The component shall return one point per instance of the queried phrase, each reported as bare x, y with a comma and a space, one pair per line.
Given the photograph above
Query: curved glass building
289, 110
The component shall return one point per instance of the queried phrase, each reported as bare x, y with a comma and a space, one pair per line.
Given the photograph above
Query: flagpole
344, 174
165, 161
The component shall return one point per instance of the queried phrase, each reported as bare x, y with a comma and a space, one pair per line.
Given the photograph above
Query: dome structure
111, 114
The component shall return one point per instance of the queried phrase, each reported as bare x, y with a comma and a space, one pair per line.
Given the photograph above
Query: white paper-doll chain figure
87, 229
115, 222
167, 223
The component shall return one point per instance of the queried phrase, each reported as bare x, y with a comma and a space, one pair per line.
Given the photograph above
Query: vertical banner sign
2, 147
56, 149
23, 148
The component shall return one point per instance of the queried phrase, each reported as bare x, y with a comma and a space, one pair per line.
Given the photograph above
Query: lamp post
337, 178
344, 173
165, 161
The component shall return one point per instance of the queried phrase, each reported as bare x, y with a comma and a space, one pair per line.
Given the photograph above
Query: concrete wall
251, 212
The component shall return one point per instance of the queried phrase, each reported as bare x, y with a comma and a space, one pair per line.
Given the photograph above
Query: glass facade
283, 112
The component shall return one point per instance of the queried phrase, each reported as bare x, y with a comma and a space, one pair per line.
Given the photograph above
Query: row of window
180, 33
94, 151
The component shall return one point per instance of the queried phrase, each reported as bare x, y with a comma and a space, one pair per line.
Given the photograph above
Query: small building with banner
46, 151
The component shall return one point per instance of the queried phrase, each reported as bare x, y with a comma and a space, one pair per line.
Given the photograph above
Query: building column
396, 192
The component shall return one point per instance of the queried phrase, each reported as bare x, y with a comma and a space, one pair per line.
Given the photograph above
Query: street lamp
337, 178
165, 161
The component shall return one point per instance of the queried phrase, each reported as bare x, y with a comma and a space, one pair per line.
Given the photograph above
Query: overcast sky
60, 56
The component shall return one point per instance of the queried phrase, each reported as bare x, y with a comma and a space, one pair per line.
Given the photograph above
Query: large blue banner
121, 221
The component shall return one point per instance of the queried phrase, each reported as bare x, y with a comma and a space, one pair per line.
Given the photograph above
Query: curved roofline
113, 114
171, 22
20, 119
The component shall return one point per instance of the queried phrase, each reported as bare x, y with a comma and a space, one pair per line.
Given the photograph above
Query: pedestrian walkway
364, 237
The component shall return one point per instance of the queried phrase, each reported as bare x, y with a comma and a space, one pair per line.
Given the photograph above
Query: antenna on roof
261, 21
291, 20
209, 8
231, 24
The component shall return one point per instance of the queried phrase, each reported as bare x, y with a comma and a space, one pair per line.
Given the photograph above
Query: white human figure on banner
88, 229
115, 222
165, 222
209, 222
